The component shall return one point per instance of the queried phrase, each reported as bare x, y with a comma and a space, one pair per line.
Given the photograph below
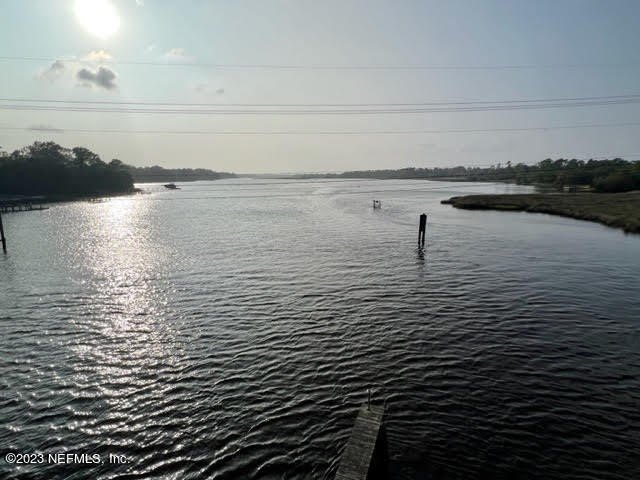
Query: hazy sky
129, 51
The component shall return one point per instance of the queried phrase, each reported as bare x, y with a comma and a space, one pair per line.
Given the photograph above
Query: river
231, 329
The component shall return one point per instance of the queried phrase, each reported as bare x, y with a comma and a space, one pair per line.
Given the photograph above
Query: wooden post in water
4, 240
422, 231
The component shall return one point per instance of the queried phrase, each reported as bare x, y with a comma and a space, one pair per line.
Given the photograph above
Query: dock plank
360, 458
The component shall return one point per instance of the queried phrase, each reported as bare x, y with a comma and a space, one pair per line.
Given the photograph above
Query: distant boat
171, 186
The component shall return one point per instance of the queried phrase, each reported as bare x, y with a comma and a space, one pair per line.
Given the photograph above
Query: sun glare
98, 17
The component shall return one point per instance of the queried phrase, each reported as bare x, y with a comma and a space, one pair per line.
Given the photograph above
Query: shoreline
42, 199
616, 210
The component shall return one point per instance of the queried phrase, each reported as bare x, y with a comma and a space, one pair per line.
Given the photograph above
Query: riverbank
618, 210
19, 203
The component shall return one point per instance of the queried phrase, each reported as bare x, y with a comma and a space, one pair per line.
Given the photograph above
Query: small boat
171, 186
377, 204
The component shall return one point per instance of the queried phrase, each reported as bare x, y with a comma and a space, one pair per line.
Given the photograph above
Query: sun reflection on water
127, 335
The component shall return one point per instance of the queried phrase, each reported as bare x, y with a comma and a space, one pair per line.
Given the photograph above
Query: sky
194, 65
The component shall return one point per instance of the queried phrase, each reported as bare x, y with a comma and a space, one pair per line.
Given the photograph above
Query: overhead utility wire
317, 132
316, 111
292, 105
264, 66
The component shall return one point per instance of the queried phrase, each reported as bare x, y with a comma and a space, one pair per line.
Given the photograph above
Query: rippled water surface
230, 330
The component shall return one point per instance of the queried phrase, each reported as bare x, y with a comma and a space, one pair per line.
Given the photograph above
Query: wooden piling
365, 456
422, 230
2, 237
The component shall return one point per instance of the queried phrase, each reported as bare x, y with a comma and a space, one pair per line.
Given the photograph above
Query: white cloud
177, 54
103, 78
208, 89
79, 68
140, 3
53, 72
98, 56
44, 128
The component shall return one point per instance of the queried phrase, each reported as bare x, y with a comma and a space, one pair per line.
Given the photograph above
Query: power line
54, 131
255, 66
362, 105
385, 111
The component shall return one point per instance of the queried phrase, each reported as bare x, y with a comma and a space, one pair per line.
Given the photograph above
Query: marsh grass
618, 210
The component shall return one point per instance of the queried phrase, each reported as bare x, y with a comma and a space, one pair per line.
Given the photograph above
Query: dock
365, 456
21, 203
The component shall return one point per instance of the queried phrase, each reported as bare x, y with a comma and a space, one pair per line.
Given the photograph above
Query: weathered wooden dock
365, 456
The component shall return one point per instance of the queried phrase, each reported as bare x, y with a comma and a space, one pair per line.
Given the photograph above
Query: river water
231, 329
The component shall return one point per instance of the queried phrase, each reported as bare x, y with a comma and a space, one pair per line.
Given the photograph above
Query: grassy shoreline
617, 210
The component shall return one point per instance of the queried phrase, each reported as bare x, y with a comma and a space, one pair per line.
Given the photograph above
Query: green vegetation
46, 168
620, 210
160, 174
615, 175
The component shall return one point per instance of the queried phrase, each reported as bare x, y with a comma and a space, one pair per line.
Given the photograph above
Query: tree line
615, 175
161, 174
46, 168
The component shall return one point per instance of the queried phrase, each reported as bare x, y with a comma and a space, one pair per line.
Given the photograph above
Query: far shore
617, 210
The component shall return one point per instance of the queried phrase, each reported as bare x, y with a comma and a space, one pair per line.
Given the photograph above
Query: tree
85, 157
46, 168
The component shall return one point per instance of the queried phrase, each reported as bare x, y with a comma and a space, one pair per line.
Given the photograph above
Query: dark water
230, 330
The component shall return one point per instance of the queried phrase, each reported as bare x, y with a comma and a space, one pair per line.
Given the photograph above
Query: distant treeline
46, 168
615, 175
160, 174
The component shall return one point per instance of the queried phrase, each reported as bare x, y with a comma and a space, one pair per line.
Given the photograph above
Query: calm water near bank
230, 330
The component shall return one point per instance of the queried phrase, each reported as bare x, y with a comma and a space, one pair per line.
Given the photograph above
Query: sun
98, 17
